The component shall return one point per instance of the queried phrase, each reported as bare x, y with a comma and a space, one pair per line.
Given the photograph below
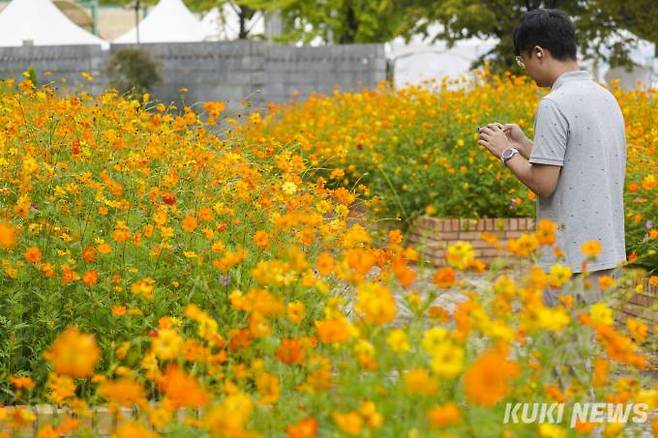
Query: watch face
507, 153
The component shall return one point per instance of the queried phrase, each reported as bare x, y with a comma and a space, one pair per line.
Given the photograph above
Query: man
577, 163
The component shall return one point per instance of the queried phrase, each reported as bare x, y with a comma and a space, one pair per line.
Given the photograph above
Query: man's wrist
508, 153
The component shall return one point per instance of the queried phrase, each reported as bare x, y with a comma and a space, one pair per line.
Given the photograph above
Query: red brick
491, 252
437, 253
512, 224
481, 244
512, 234
469, 235
642, 300
531, 223
449, 236
500, 224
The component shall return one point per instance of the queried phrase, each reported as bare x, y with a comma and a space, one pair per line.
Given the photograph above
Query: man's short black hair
551, 29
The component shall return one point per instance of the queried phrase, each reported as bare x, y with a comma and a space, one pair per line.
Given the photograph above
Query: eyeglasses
519, 62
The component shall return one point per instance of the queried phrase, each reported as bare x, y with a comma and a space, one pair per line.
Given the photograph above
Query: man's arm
540, 178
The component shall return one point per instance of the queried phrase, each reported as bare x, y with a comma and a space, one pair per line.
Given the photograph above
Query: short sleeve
551, 135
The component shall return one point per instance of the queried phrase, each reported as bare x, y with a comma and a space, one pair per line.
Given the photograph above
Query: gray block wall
229, 71
59, 65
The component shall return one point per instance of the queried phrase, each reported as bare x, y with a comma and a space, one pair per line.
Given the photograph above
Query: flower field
148, 263
414, 151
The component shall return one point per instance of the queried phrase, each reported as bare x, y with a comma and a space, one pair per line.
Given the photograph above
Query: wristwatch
507, 154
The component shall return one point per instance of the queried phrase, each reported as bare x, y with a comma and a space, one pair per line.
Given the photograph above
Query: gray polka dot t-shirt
579, 126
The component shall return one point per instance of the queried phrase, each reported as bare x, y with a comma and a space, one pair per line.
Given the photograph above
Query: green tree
597, 22
245, 10
347, 21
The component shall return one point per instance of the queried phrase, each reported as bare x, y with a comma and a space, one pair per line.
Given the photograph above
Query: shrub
132, 71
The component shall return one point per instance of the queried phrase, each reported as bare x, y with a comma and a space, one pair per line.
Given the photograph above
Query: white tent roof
41, 22
169, 21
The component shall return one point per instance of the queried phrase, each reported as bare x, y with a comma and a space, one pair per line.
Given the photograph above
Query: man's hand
518, 139
493, 137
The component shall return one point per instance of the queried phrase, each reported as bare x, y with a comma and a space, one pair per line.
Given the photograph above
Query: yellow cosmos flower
591, 248
433, 338
460, 254
419, 381
397, 340
167, 344
601, 313
448, 359
289, 188
559, 275
551, 431
552, 319
376, 303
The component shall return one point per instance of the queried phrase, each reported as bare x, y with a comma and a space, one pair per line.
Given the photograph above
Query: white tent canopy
169, 21
40, 22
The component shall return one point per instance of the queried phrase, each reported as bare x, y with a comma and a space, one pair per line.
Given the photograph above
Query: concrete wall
58, 64
227, 71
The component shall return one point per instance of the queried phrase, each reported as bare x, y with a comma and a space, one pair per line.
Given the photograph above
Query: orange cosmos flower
350, 422
296, 311
403, 273
33, 255
205, 214
600, 373
181, 389
131, 429
189, 224
306, 428
606, 282
89, 254
124, 392
591, 248
22, 382
394, 237
74, 353
545, 233
90, 278
488, 237
60, 387
325, 263
419, 381
444, 416
333, 330
289, 351
48, 270
488, 378
261, 239
168, 198
444, 277
104, 248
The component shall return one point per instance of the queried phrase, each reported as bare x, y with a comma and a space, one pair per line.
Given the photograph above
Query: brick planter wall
101, 421
431, 236
640, 304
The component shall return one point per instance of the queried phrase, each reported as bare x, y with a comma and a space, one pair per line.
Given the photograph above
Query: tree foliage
600, 24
